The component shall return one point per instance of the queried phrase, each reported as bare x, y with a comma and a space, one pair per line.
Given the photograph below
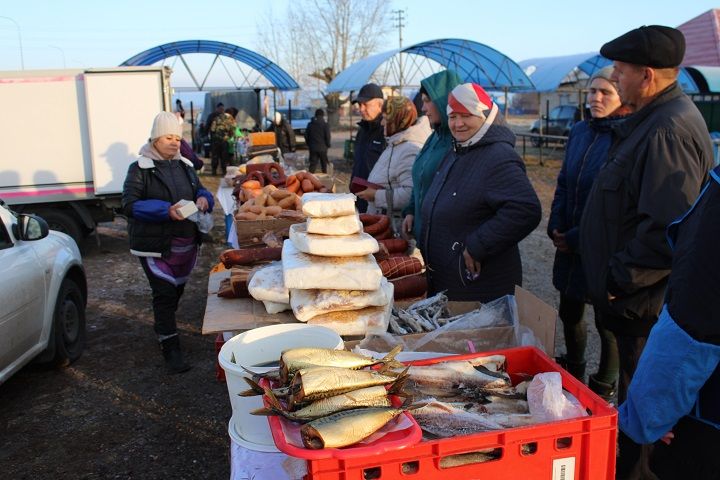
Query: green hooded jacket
438, 87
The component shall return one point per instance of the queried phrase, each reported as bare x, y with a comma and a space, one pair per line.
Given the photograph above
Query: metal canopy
550, 72
278, 77
473, 61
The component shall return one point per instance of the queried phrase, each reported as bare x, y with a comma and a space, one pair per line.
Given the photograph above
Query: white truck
68, 137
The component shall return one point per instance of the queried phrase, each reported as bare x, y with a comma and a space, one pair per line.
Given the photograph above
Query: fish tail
398, 386
389, 359
263, 411
254, 390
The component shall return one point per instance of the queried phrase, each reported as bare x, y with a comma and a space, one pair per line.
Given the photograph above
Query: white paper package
307, 304
344, 225
267, 284
274, 307
328, 204
332, 245
356, 322
332, 273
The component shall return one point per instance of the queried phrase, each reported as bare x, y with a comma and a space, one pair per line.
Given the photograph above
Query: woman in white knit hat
160, 235
586, 151
479, 205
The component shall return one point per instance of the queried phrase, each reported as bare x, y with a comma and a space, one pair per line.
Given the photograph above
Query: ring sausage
249, 256
374, 224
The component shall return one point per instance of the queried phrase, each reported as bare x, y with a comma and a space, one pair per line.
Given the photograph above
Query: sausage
395, 245
292, 184
383, 235
374, 224
307, 185
257, 176
411, 286
251, 184
249, 256
394, 267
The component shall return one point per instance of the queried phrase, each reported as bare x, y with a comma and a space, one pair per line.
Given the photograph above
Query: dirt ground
115, 414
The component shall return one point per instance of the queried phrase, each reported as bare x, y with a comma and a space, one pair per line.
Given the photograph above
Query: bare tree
320, 38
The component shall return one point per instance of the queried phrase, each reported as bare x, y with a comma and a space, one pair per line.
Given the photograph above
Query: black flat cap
653, 46
368, 92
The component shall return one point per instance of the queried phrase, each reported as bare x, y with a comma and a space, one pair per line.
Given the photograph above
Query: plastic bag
203, 219
548, 402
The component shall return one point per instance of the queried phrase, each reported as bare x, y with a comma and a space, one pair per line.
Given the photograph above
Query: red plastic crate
219, 372
577, 449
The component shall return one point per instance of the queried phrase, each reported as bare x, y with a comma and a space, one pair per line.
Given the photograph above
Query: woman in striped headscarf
479, 205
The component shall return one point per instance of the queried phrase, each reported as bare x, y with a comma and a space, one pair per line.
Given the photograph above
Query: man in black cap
658, 162
370, 139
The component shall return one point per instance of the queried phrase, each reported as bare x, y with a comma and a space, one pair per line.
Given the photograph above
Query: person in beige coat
405, 136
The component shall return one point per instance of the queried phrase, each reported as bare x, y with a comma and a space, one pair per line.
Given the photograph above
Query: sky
100, 33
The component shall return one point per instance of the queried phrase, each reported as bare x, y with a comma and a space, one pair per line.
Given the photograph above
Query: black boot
606, 391
174, 362
576, 369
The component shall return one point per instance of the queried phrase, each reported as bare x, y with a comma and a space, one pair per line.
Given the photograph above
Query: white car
43, 294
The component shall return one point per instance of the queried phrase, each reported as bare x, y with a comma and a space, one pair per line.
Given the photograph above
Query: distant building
702, 39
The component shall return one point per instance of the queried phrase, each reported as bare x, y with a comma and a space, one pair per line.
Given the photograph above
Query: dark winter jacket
438, 87
686, 339
284, 136
369, 145
659, 160
481, 199
317, 135
586, 151
148, 193
187, 152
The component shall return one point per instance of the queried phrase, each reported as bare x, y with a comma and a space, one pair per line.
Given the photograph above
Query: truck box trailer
69, 137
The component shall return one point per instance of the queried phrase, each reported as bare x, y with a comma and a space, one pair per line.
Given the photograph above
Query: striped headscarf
472, 99
400, 114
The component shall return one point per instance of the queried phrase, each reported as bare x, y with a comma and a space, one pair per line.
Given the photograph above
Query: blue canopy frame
473, 61
278, 77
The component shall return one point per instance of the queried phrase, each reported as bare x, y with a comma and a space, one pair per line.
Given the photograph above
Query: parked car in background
300, 118
43, 294
559, 121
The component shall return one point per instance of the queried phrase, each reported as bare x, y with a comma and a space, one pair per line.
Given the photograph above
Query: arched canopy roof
549, 73
706, 78
473, 61
278, 77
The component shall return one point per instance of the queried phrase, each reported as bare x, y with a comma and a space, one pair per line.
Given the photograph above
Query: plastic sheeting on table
246, 463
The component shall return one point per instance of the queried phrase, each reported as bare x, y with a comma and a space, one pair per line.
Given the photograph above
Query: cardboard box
250, 232
533, 313
235, 314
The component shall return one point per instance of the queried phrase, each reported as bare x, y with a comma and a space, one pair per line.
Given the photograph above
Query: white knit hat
165, 123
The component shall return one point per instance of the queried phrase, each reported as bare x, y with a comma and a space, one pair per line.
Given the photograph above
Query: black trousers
219, 155
165, 299
693, 453
318, 156
633, 461
572, 315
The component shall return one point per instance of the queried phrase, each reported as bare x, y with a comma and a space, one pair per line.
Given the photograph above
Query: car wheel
535, 141
64, 222
68, 331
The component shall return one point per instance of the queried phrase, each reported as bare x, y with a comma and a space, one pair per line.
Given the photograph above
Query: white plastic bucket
258, 346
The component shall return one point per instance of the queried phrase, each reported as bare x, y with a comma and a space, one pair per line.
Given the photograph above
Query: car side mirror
30, 227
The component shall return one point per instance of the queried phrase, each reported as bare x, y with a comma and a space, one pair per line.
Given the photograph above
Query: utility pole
399, 17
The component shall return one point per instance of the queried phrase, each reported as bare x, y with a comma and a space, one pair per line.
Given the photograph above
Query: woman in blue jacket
165, 241
587, 150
